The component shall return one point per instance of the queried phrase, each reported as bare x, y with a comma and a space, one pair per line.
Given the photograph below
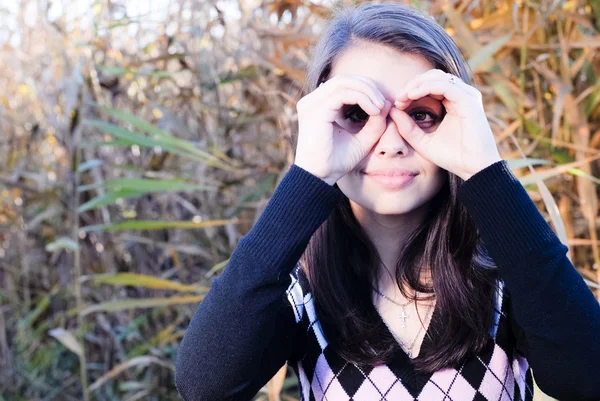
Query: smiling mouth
393, 181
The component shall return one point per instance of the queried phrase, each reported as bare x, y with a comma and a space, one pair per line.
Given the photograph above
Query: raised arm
243, 332
553, 307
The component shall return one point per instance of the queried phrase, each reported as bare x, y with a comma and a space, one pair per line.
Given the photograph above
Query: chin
387, 206
390, 202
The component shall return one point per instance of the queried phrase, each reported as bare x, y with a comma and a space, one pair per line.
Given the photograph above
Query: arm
242, 332
557, 313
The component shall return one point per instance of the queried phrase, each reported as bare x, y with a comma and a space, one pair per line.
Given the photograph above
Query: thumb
407, 128
373, 129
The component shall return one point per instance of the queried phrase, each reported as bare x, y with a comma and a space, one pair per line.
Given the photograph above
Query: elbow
186, 387
188, 380
576, 388
567, 369
196, 381
190, 387
181, 384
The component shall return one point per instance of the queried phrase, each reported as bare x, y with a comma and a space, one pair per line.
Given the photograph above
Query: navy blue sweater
241, 335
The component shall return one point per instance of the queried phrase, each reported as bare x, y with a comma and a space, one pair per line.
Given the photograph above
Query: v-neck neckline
426, 339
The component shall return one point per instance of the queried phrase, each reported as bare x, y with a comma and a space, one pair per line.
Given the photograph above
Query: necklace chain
404, 316
391, 300
409, 349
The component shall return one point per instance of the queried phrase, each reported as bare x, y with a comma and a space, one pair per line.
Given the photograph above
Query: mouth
392, 179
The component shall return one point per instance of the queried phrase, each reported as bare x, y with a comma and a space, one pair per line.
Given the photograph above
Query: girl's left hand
463, 143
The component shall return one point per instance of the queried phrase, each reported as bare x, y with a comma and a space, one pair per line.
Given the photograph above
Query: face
390, 70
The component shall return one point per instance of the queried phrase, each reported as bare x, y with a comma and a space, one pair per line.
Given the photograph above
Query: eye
356, 114
425, 118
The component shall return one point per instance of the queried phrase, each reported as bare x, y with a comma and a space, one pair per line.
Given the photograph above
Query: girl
399, 258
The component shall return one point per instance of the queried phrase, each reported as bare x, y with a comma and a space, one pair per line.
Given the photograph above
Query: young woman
399, 258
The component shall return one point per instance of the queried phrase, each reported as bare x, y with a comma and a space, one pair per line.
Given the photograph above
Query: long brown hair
341, 262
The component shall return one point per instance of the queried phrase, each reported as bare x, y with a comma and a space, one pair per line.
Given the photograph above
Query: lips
392, 178
391, 172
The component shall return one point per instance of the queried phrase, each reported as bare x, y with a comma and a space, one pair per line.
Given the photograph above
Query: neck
388, 234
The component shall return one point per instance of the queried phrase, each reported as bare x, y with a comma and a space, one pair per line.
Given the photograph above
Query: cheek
348, 184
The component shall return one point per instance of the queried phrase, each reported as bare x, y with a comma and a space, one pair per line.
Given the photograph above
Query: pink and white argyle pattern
493, 375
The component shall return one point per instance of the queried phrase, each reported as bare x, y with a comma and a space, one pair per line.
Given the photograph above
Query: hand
463, 143
326, 149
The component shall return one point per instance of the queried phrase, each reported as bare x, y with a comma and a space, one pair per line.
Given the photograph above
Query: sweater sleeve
242, 332
556, 312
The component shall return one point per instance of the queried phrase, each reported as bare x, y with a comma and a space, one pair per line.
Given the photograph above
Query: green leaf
532, 127
144, 360
142, 280
83, 188
62, 243
173, 145
32, 316
117, 142
67, 339
593, 100
123, 133
503, 91
559, 155
524, 162
147, 127
125, 304
107, 199
265, 185
148, 185
156, 225
484, 54
219, 266
113, 70
120, 71
579, 173
89, 164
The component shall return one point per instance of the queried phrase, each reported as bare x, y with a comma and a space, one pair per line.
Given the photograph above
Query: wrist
327, 179
466, 175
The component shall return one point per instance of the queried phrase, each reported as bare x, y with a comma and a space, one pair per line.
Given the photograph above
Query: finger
403, 104
410, 131
438, 75
430, 75
372, 84
374, 127
351, 96
351, 82
445, 89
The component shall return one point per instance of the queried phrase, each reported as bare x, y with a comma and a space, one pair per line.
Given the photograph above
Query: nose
391, 143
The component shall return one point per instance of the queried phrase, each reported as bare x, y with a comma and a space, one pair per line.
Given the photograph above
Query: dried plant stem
77, 258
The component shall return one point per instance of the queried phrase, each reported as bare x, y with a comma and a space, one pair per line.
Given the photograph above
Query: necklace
403, 314
409, 349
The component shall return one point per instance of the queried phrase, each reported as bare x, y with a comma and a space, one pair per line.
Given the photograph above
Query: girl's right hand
326, 147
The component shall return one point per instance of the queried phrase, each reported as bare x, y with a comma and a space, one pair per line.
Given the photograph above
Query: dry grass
142, 139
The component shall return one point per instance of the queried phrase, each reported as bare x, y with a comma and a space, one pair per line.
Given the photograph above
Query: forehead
388, 67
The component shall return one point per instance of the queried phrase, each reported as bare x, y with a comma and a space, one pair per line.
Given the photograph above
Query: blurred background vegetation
140, 139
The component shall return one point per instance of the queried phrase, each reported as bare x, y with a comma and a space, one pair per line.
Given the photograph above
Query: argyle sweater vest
497, 373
